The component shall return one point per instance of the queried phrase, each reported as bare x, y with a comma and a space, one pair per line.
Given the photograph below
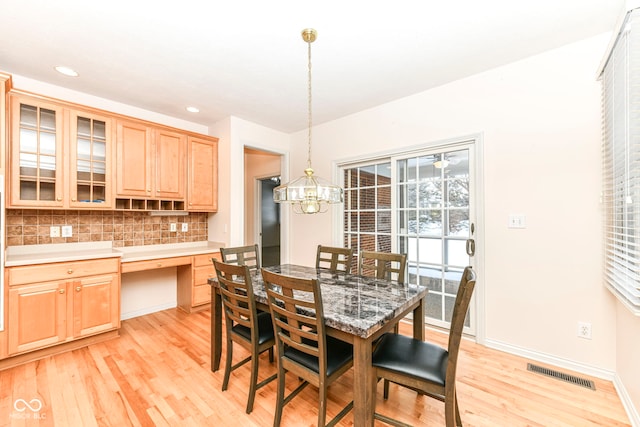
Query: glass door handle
471, 247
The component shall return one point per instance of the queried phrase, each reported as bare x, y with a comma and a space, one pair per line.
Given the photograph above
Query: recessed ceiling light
193, 110
66, 71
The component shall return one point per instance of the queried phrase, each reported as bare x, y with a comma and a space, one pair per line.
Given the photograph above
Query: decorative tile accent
123, 228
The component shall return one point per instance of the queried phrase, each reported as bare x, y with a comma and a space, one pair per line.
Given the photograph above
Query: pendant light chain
310, 116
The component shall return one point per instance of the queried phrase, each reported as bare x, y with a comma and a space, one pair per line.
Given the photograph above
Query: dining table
357, 309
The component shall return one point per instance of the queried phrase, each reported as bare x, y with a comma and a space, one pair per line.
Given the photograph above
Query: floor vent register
582, 382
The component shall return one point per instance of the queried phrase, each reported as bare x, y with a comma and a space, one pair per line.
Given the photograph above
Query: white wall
540, 121
247, 134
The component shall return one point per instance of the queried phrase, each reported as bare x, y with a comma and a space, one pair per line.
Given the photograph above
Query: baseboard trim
632, 413
147, 310
552, 360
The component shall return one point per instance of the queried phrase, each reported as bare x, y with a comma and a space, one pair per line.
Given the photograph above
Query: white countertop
64, 252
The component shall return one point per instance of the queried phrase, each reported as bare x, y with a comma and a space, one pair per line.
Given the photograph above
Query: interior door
435, 217
269, 223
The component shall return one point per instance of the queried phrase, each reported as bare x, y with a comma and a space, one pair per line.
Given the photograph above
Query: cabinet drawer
202, 274
61, 271
201, 294
128, 267
205, 260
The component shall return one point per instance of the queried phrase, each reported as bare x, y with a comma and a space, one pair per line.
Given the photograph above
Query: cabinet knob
78, 288
59, 199
73, 200
159, 264
61, 291
69, 271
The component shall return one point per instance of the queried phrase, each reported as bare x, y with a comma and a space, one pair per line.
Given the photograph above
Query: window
621, 164
367, 207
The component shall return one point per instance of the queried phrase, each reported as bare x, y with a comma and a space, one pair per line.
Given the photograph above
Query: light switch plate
173, 227
54, 231
517, 221
185, 227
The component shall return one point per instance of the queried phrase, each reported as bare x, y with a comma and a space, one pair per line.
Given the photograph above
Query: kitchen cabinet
53, 303
151, 161
202, 174
133, 159
194, 291
60, 155
5, 86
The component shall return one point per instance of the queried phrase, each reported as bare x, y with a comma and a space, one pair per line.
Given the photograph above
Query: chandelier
308, 194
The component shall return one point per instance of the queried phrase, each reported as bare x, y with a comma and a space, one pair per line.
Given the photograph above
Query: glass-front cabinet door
36, 157
89, 146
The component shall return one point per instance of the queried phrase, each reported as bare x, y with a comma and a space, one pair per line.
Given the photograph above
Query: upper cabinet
59, 156
90, 160
5, 86
151, 165
134, 152
203, 174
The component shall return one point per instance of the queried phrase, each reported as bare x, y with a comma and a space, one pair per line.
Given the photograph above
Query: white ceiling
246, 58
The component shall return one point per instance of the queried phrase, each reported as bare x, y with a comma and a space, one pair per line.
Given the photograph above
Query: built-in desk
193, 268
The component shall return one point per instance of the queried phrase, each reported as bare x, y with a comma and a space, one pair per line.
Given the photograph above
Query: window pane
384, 222
459, 222
430, 222
367, 198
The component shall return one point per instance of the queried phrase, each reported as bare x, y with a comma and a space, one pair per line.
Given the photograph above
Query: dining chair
382, 265
245, 326
302, 346
242, 255
426, 367
334, 259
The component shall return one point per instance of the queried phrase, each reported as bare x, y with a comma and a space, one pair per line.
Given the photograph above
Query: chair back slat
242, 255
295, 304
334, 259
236, 290
382, 265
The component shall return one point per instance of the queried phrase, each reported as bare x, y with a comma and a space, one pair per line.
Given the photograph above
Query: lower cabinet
194, 291
54, 303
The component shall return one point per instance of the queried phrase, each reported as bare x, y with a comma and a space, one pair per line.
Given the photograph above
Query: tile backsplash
123, 228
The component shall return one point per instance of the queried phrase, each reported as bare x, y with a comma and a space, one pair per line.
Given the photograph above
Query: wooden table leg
216, 328
364, 387
418, 321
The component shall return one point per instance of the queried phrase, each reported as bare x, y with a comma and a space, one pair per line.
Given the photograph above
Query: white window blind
621, 164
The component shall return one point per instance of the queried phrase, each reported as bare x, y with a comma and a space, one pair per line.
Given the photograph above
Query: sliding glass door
419, 203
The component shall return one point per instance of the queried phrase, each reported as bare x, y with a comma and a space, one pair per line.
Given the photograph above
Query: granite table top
354, 304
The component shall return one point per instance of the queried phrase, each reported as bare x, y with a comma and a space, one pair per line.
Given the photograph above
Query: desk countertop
64, 252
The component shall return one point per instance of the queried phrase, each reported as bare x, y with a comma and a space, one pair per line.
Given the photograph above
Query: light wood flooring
158, 373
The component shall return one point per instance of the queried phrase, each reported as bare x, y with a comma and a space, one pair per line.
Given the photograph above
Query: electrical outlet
67, 231
54, 231
173, 227
584, 330
185, 227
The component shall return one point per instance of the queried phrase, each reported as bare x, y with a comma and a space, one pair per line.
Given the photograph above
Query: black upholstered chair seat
411, 357
265, 329
338, 354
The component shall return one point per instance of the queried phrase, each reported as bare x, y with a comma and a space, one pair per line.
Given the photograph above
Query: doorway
269, 222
